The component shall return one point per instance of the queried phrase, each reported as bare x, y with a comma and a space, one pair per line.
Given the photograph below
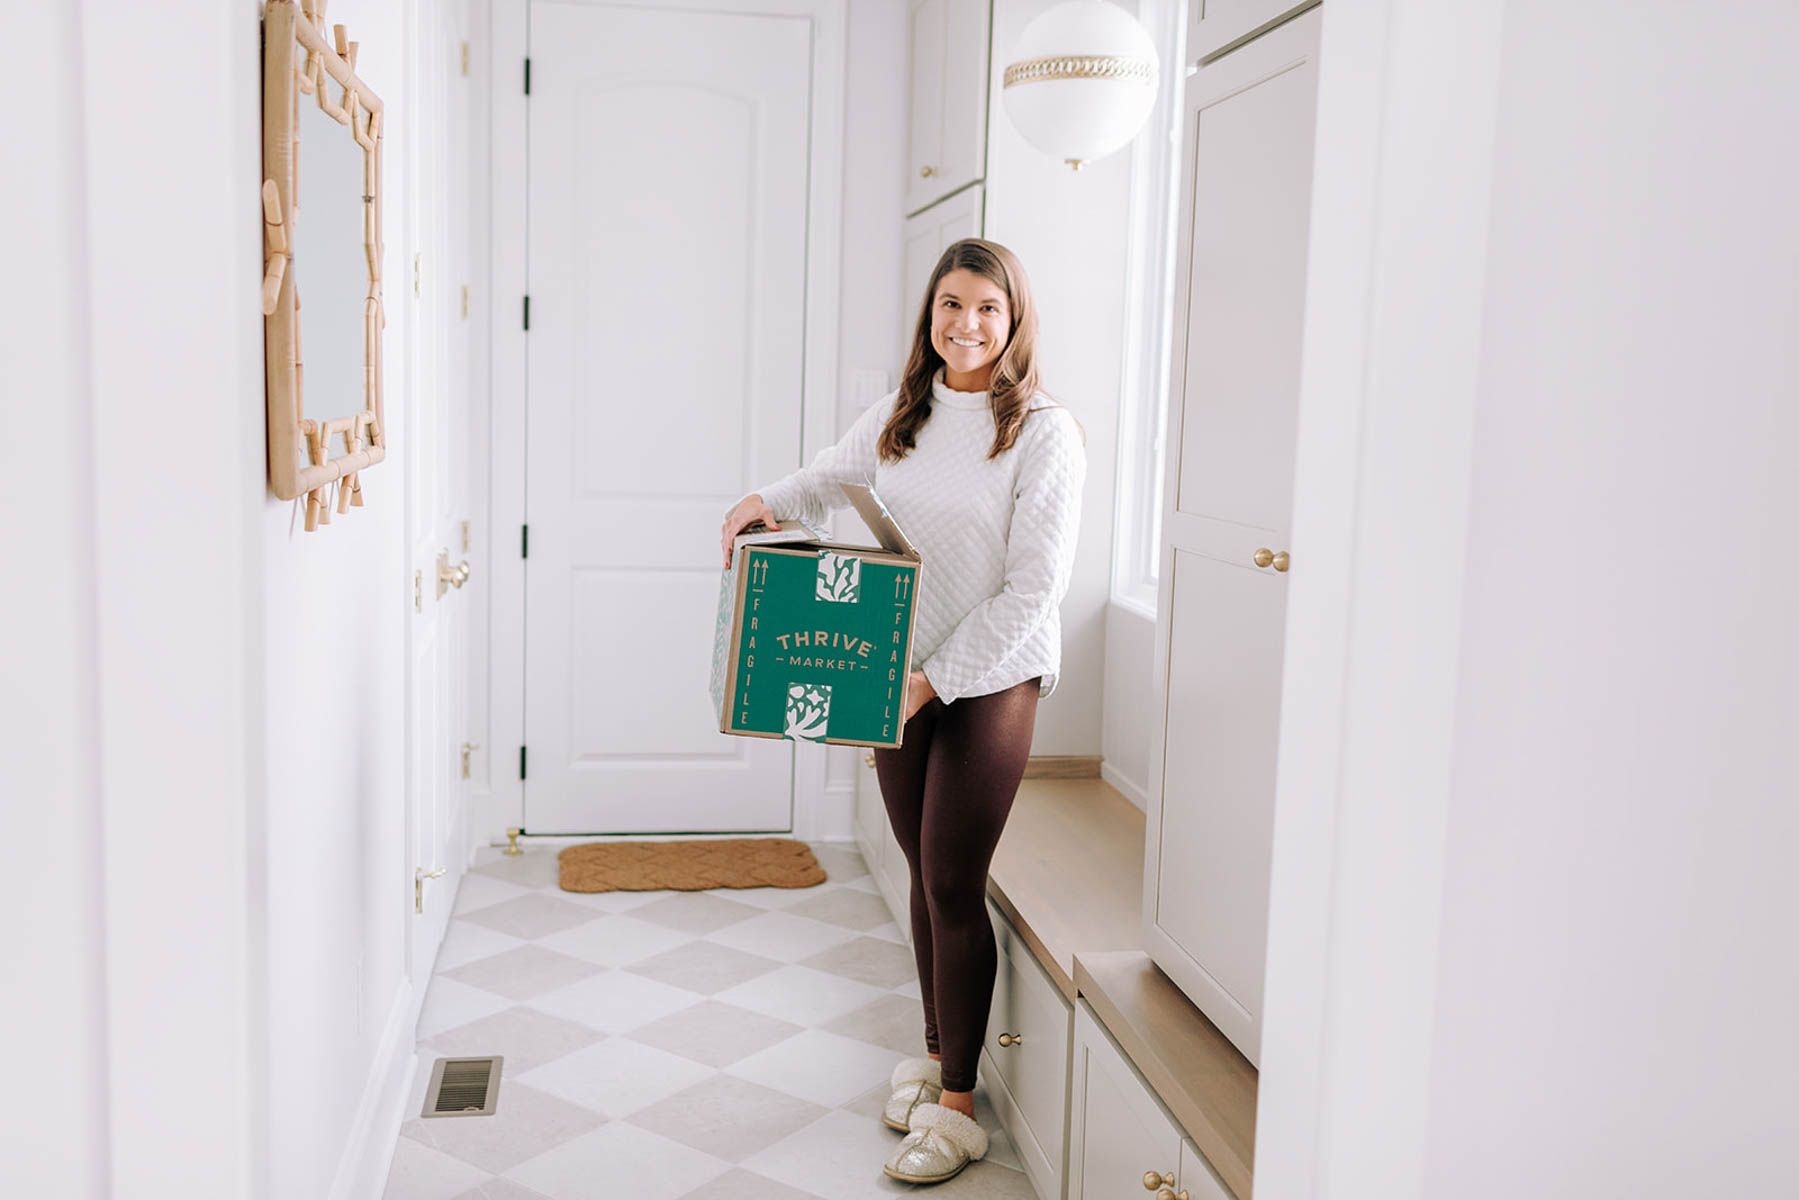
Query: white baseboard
363, 1170
1131, 791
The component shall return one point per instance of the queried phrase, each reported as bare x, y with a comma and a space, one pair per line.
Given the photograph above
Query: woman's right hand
749, 510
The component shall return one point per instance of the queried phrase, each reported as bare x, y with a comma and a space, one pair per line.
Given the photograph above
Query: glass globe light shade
1082, 80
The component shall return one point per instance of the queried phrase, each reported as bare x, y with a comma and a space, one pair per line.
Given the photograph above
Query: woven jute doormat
689, 865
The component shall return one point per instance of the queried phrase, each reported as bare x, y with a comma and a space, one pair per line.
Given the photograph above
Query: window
1149, 291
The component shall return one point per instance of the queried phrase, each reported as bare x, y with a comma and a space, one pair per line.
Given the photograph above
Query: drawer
1032, 1071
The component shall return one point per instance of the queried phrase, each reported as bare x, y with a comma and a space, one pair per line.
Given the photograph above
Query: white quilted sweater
996, 536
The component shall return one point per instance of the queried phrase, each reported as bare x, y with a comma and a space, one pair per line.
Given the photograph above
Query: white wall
133, 712
1617, 980
53, 1134
1130, 708
1532, 919
1071, 232
336, 600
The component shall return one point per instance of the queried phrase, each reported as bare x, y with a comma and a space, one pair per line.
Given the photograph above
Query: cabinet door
925, 107
947, 144
1240, 295
1198, 1181
927, 235
871, 813
1218, 23
1118, 1131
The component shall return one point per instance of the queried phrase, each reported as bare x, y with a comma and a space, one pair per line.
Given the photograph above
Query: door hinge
524, 541
465, 58
521, 762
527, 313
527, 76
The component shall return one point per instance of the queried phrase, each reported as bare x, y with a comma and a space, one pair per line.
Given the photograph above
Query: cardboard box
814, 638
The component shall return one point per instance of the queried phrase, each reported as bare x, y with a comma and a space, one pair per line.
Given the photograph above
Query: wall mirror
322, 250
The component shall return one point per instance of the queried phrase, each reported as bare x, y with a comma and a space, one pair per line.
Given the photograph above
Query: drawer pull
1168, 1194
869, 758
1152, 1180
1011, 1039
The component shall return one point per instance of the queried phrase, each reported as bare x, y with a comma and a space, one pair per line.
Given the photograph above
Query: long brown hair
1014, 375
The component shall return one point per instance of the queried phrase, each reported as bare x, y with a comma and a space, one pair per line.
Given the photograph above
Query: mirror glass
330, 266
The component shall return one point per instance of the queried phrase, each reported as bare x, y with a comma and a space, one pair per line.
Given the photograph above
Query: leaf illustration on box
839, 577
808, 710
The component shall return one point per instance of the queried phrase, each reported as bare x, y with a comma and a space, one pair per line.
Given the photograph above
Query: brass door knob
448, 576
1169, 1194
1281, 561
927, 172
1264, 557
1153, 1180
1011, 1039
869, 758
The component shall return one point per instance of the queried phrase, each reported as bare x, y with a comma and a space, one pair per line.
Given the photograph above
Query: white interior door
437, 467
667, 247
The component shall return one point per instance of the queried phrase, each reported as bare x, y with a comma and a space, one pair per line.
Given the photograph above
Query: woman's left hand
919, 693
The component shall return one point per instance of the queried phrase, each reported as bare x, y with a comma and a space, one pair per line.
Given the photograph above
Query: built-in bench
1142, 1083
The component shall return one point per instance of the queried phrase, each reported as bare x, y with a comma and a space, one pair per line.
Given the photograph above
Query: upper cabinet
947, 141
927, 236
1221, 23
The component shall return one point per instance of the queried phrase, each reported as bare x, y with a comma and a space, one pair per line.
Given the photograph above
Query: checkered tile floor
725, 1045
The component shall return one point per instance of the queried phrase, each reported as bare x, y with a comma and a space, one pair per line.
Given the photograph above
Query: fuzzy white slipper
915, 1081
915, 1070
941, 1143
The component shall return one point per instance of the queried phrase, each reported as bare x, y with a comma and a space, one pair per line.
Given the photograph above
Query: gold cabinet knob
1264, 557
927, 172
1153, 1180
1169, 1194
1011, 1039
869, 758
1281, 561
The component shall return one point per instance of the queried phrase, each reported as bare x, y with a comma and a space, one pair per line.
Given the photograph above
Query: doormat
689, 865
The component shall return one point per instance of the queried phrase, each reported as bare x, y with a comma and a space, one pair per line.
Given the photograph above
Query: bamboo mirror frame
299, 60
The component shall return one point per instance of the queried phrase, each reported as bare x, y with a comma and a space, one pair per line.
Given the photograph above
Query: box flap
792, 530
880, 522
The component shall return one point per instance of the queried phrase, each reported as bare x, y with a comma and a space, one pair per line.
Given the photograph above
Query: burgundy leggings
948, 790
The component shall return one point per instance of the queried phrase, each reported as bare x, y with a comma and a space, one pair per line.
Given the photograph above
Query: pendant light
1082, 80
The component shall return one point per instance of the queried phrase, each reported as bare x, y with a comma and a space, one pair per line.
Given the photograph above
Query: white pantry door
667, 247
436, 447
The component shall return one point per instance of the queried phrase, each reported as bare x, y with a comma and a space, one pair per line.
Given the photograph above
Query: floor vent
463, 1087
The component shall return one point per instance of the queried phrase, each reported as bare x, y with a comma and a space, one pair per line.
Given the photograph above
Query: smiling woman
984, 471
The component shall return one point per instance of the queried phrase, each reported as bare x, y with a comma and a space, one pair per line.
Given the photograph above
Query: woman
984, 473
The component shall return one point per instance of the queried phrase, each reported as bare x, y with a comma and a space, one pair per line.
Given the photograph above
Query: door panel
1250, 172
928, 235
1118, 1130
1223, 729
924, 134
667, 225
437, 466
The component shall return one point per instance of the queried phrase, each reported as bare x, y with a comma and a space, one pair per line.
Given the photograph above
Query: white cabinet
1239, 307
1119, 1133
927, 235
947, 138
1027, 1073
1218, 23
874, 838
